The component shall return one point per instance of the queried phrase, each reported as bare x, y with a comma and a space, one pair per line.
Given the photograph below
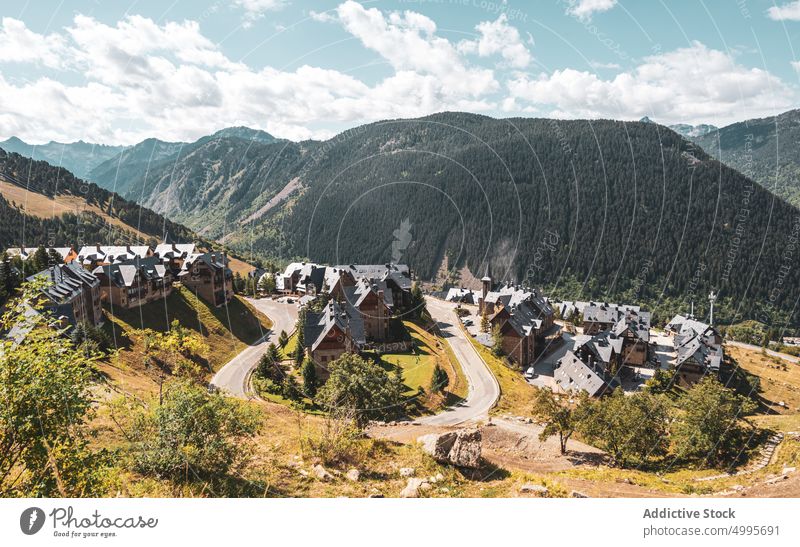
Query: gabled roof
572, 374
215, 260
65, 282
112, 253
124, 274
602, 346
345, 317
175, 250
26, 252
466, 296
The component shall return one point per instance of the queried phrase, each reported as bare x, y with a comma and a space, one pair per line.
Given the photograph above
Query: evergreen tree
299, 354
283, 339
439, 381
309, 378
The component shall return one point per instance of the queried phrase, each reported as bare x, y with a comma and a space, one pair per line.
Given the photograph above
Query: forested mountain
127, 173
77, 157
767, 150
590, 209
39, 179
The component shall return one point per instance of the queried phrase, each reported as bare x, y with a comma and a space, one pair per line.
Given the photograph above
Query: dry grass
39, 205
780, 380
516, 395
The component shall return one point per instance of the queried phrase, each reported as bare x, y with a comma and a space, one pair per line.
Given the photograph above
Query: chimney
99, 250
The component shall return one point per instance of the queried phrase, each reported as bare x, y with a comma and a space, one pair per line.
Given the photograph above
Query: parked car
467, 322
290, 300
530, 374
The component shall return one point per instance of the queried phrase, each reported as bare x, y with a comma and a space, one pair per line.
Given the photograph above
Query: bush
191, 434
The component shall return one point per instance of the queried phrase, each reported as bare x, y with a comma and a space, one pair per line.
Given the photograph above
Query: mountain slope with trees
766, 150
587, 209
40, 179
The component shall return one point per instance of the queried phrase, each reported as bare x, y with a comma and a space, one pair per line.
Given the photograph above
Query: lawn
289, 349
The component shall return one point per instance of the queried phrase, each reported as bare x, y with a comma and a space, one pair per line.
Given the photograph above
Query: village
568, 347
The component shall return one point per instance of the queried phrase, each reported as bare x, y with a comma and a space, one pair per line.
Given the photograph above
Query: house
135, 282
173, 255
463, 296
634, 331
572, 375
301, 278
602, 351
395, 277
68, 254
369, 300
698, 348
72, 294
330, 333
92, 256
208, 275
524, 317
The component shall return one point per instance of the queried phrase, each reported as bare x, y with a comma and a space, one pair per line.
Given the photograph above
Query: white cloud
499, 37
786, 12
693, 84
583, 9
255, 9
598, 65
21, 45
408, 41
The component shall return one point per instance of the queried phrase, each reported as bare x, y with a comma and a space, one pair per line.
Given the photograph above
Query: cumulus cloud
21, 45
498, 37
583, 9
693, 84
786, 12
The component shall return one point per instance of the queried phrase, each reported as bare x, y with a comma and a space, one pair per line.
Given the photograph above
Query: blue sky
118, 72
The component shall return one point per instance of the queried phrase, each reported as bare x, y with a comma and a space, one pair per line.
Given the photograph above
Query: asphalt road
784, 356
233, 377
483, 387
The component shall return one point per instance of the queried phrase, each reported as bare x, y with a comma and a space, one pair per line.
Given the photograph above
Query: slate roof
175, 250
572, 374
215, 260
124, 274
466, 296
112, 253
26, 252
602, 346
66, 281
345, 317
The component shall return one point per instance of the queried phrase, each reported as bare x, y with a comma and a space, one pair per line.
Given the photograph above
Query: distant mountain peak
645, 119
245, 133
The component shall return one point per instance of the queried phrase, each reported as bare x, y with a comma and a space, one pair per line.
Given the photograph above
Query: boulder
787, 470
438, 445
407, 471
353, 475
530, 488
321, 473
461, 448
413, 487
576, 494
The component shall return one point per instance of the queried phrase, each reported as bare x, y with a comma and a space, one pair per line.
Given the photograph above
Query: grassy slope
226, 330
516, 395
39, 205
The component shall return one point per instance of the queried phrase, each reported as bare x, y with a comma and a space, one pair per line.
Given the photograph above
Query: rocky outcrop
461, 448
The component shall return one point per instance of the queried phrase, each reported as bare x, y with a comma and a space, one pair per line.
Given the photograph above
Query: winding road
483, 387
483, 392
233, 378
